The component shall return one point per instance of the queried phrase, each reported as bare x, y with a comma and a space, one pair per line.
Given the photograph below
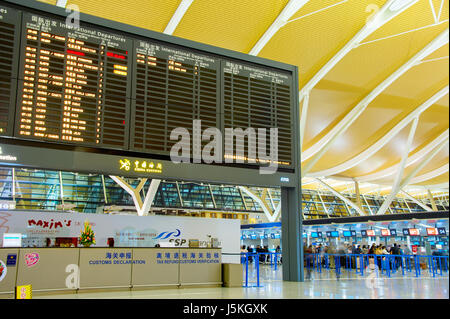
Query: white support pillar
323, 205
342, 197
142, 207
396, 187
418, 202
433, 203
271, 216
303, 117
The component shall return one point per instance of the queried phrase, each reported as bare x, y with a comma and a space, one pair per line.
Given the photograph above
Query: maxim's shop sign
51, 226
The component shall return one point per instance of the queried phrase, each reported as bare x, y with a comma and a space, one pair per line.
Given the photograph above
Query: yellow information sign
23, 292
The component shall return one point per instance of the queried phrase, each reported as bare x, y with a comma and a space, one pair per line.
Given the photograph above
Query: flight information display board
255, 97
99, 86
172, 88
74, 84
9, 22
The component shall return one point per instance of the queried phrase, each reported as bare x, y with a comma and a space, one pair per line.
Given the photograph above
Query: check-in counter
82, 269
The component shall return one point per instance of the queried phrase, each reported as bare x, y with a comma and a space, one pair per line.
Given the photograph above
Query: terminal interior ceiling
368, 130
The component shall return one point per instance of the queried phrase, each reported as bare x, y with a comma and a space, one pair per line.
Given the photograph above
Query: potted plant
87, 237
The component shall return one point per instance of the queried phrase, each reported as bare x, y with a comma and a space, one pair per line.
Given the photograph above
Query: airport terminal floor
321, 286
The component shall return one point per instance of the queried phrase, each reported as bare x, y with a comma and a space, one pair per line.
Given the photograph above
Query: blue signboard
393, 232
347, 233
11, 260
442, 231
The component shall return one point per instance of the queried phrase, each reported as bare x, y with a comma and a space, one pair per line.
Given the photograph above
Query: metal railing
360, 264
386, 264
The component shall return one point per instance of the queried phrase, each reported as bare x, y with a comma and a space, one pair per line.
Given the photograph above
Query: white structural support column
358, 195
61, 3
433, 203
325, 143
271, 216
142, 207
288, 11
323, 205
418, 202
383, 140
177, 16
342, 197
303, 117
422, 164
396, 187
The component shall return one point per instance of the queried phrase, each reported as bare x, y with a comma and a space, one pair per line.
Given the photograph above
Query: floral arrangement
87, 237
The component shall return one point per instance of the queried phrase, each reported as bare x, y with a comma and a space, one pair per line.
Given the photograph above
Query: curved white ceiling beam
288, 11
398, 178
390, 10
422, 164
382, 141
177, 16
430, 175
325, 143
411, 159
351, 116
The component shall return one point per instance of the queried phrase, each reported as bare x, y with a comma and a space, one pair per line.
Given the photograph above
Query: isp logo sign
176, 233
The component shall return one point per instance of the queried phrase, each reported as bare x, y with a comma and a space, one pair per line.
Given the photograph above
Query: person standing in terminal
308, 261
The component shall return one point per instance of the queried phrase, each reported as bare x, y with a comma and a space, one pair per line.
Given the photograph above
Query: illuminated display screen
332, 234
173, 87
432, 232
316, 235
347, 233
258, 98
385, 232
75, 84
370, 232
9, 19
414, 232
98, 87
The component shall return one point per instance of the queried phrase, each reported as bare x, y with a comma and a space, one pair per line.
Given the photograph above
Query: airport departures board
98, 87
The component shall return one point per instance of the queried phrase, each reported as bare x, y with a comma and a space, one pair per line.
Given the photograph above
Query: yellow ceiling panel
417, 16
329, 102
439, 53
365, 131
422, 81
232, 24
310, 42
370, 64
432, 123
148, 14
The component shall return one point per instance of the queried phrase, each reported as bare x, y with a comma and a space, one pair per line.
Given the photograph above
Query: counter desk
81, 269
